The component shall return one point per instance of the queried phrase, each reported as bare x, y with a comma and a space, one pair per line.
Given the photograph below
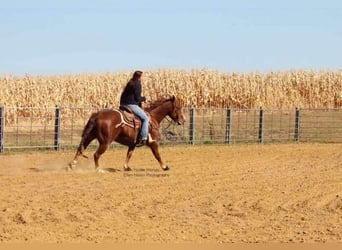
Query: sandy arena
240, 193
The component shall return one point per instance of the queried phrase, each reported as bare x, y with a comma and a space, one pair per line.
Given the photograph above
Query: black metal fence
61, 127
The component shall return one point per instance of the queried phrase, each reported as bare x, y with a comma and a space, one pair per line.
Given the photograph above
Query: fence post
228, 126
192, 126
2, 129
261, 126
297, 125
57, 128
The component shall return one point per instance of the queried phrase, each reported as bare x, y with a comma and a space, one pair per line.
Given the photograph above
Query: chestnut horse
109, 125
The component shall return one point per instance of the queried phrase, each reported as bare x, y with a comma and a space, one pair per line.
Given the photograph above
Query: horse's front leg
128, 157
154, 147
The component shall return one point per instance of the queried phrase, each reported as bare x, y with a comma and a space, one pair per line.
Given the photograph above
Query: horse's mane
157, 103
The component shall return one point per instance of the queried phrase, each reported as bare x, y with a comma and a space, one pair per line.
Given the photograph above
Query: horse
110, 125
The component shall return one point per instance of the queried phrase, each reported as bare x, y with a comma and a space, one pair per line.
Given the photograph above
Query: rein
166, 117
170, 122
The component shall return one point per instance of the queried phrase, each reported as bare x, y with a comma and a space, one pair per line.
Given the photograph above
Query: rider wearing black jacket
131, 97
132, 91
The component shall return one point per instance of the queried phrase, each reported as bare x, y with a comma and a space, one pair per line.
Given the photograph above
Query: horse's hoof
70, 167
100, 171
166, 168
127, 169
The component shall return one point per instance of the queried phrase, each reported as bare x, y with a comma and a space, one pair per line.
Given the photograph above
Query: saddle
129, 117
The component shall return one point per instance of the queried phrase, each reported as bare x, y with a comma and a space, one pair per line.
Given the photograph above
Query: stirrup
140, 143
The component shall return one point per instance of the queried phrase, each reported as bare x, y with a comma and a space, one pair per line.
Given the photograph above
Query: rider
131, 97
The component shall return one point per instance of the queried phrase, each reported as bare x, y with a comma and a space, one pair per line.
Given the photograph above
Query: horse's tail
87, 134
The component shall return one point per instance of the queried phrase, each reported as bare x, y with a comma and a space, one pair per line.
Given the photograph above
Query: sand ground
240, 193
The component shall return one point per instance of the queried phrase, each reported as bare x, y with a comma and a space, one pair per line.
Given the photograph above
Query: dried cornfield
197, 88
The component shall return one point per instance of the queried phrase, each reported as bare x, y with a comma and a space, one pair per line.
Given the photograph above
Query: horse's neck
159, 113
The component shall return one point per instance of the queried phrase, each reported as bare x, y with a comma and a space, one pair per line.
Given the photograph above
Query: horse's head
176, 112
170, 107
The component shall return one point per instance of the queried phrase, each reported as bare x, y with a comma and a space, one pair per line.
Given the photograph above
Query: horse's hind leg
155, 151
80, 150
128, 156
101, 149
